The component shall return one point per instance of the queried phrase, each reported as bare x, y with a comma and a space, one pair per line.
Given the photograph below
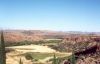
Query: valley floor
42, 53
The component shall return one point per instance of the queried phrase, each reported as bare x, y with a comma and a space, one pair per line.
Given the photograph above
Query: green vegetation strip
42, 42
43, 55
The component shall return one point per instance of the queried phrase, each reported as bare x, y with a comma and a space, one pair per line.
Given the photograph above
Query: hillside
37, 35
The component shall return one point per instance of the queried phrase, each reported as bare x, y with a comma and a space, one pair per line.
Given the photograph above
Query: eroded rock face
90, 50
85, 54
90, 55
80, 39
18, 37
88, 60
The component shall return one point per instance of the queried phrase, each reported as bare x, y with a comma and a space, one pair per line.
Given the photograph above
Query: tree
20, 61
73, 59
55, 60
2, 50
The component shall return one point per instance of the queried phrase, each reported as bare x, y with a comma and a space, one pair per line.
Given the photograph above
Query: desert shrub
28, 56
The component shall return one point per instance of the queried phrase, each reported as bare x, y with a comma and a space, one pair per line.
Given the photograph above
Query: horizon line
49, 30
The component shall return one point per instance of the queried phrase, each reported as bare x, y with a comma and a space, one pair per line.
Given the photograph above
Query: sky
59, 15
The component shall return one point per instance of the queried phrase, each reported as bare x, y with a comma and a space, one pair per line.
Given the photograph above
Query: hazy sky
64, 15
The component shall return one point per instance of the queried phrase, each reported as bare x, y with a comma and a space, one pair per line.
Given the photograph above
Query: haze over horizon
58, 15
